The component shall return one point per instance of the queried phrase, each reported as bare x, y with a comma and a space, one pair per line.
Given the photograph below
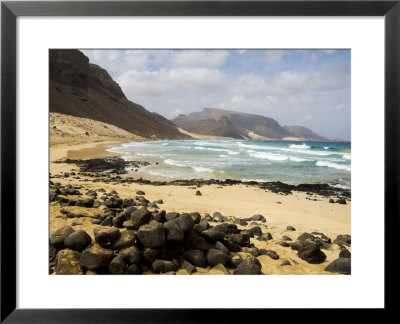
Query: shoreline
306, 211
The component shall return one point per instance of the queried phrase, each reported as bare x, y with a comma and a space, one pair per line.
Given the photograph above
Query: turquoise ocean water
289, 162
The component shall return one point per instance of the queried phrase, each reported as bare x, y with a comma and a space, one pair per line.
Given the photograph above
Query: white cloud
308, 117
199, 58
157, 83
174, 113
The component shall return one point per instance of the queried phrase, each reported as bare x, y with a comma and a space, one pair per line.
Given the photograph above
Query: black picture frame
9, 13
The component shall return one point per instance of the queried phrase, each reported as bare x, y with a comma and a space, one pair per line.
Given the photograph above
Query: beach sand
240, 201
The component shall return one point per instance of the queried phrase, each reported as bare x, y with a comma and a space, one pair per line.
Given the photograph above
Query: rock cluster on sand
129, 238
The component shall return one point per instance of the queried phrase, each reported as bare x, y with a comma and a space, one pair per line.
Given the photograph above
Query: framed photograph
164, 158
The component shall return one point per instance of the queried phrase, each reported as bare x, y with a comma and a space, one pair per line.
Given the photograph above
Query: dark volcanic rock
127, 238
58, 237
344, 253
265, 237
221, 247
95, 257
149, 255
272, 254
343, 240
215, 256
341, 265
104, 236
107, 221
195, 257
190, 268
185, 222
131, 254
249, 266
212, 235
140, 192
258, 218
174, 234
251, 250
133, 270
162, 266
306, 236
117, 265
196, 217
160, 216
286, 238
67, 262
78, 240
151, 235
140, 216
235, 261
219, 269
169, 252
255, 231
241, 239
200, 227
290, 228
196, 242
311, 253
171, 216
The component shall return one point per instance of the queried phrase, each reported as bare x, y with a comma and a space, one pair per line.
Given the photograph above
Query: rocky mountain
303, 132
241, 125
81, 89
220, 127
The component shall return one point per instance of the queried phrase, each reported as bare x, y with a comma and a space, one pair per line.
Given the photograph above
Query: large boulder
104, 236
149, 255
151, 235
131, 254
174, 233
96, 257
196, 242
78, 240
162, 266
212, 235
311, 253
185, 222
344, 253
117, 265
196, 217
67, 262
195, 257
340, 265
241, 239
171, 216
215, 256
127, 238
249, 266
140, 216
343, 240
58, 237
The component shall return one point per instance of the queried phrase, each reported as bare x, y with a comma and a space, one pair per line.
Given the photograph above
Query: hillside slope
306, 133
221, 127
85, 90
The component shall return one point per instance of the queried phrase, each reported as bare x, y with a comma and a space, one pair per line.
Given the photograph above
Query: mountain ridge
245, 125
81, 89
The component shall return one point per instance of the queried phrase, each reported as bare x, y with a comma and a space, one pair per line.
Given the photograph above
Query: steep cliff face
81, 89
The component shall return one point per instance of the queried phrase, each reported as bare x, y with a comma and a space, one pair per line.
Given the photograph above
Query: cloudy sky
296, 87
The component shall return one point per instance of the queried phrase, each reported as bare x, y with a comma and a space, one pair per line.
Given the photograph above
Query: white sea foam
174, 163
296, 159
202, 169
333, 165
347, 156
326, 147
269, 156
299, 146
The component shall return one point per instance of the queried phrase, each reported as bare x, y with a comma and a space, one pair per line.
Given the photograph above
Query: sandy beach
306, 213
